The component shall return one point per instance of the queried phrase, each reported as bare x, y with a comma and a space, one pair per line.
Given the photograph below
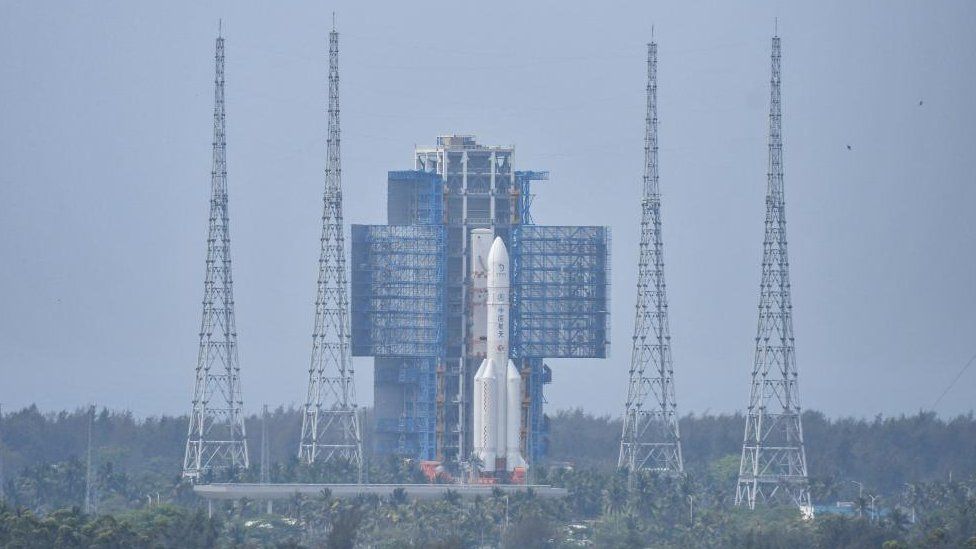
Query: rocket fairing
497, 383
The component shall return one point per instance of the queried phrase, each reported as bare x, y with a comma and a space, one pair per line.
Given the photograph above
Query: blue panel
412, 431
560, 292
537, 446
398, 290
414, 198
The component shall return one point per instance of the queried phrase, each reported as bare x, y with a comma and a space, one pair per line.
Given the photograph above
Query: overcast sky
105, 131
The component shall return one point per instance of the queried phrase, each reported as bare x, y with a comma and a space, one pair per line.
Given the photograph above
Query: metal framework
330, 423
408, 416
651, 439
414, 198
398, 296
523, 182
398, 290
535, 435
773, 467
560, 289
397, 270
216, 438
479, 191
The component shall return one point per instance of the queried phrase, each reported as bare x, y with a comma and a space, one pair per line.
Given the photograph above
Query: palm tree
614, 499
475, 463
898, 520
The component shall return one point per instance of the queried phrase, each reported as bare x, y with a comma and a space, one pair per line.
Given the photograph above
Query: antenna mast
330, 423
216, 438
774, 466
3, 493
650, 439
90, 504
265, 451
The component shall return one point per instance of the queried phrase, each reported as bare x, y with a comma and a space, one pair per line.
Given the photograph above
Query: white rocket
497, 384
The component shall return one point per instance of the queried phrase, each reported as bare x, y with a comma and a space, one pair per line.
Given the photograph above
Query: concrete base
413, 491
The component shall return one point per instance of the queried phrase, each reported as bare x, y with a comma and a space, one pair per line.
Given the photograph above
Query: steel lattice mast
330, 425
216, 438
650, 439
773, 467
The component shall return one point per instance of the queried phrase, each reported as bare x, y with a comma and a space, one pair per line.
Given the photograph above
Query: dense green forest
882, 453
916, 467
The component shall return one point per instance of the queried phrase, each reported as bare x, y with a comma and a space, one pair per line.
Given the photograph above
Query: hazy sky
105, 131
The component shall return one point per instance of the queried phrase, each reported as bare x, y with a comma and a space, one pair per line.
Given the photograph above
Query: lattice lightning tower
774, 467
330, 425
650, 439
216, 438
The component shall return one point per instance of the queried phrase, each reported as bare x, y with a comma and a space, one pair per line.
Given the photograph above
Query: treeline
165, 526
139, 456
881, 453
604, 509
153, 444
904, 464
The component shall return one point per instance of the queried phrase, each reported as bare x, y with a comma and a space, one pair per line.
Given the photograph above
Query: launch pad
236, 491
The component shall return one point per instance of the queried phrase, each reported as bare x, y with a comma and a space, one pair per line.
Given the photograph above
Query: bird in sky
919, 102
849, 147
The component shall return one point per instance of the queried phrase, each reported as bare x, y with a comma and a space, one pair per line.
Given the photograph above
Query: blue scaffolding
560, 291
397, 305
414, 198
411, 432
408, 297
536, 374
560, 296
523, 181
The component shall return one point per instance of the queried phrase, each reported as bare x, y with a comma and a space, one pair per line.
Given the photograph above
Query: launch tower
650, 437
773, 468
216, 439
414, 302
330, 423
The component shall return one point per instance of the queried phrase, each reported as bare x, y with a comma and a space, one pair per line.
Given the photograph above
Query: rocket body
497, 383
481, 240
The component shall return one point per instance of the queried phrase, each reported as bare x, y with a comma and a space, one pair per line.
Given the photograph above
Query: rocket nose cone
512, 372
498, 252
481, 370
